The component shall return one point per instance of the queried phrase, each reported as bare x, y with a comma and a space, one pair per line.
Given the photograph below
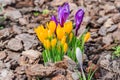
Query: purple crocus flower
63, 13
78, 19
53, 18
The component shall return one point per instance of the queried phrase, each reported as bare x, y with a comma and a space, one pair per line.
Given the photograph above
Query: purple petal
53, 18
63, 13
78, 19
60, 13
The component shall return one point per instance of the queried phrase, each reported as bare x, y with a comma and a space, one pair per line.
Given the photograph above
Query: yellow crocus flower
49, 33
40, 32
41, 38
39, 28
63, 40
60, 32
46, 44
53, 42
59, 48
47, 24
52, 26
71, 36
87, 36
43, 35
65, 47
68, 27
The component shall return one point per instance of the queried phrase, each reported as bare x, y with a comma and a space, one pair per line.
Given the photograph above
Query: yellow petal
65, 47
68, 27
52, 26
46, 44
59, 47
47, 24
60, 32
87, 36
41, 38
49, 33
71, 36
53, 42
40, 32
39, 29
63, 40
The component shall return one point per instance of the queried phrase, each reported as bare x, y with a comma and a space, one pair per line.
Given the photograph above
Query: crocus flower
71, 36
46, 44
68, 26
78, 19
80, 61
87, 37
52, 26
40, 32
60, 32
63, 13
49, 33
63, 40
79, 56
53, 18
53, 42
65, 47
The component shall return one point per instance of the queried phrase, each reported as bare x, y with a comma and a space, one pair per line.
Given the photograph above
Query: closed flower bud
49, 33
71, 36
60, 32
78, 19
63, 40
68, 27
53, 18
79, 56
65, 47
52, 26
53, 42
63, 13
87, 36
46, 44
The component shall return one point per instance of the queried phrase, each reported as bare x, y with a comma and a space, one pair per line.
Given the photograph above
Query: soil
21, 51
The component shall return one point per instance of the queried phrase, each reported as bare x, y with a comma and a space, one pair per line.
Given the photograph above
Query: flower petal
63, 13
87, 37
68, 26
52, 26
79, 56
53, 18
78, 19
65, 47
53, 42
60, 32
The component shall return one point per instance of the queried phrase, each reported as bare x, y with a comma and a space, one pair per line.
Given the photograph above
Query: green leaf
45, 11
36, 13
116, 52
1, 27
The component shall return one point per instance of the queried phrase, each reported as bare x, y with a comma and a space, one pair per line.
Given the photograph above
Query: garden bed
21, 51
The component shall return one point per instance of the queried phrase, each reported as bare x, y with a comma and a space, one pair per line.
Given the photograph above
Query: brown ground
20, 50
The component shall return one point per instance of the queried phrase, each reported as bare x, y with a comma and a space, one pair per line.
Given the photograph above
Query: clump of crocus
54, 39
58, 37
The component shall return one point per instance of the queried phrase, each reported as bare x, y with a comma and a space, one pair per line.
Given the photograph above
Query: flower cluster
52, 34
57, 36
54, 38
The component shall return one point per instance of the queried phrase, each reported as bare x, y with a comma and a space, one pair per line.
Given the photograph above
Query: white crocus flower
80, 60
